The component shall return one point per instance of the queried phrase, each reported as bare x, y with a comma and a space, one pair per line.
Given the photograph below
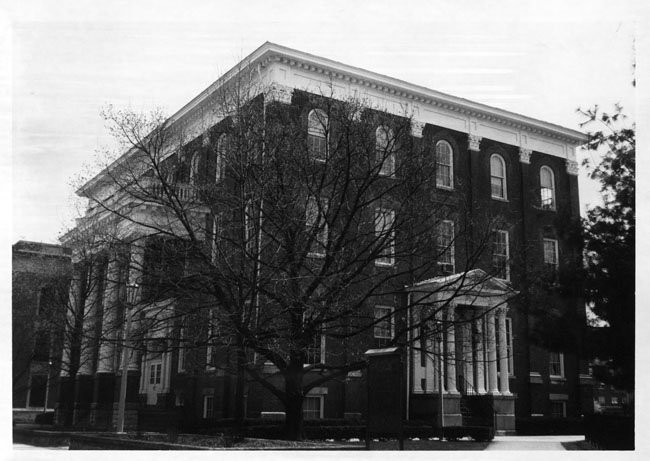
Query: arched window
498, 177
222, 145
385, 150
547, 188
444, 165
194, 168
317, 134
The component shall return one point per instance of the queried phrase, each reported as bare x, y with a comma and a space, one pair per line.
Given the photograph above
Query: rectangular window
384, 322
216, 233
316, 227
181, 351
446, 247
312, 407
317, 146
614, 400
501, 255
208, 406
558, 409
551, 255
315, 353
155, 372
385, 236
211, 350
556, 364
249, 227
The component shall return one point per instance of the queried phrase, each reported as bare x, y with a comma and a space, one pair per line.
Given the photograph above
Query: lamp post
131, 295
441, 410
47, 384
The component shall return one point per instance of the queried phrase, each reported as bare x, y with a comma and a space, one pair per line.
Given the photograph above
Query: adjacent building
40, 277
492, 357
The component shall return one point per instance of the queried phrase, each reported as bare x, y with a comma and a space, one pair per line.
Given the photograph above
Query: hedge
610, 432
549, 426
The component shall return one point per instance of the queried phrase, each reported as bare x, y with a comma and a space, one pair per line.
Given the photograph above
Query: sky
66, 62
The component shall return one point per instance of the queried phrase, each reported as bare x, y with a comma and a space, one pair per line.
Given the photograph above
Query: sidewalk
533, 442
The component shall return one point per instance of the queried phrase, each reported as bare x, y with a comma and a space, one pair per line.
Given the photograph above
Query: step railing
467, 390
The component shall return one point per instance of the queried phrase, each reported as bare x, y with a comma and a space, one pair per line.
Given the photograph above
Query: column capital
524, 155
572, 167
416, 128
474, 142
278, 93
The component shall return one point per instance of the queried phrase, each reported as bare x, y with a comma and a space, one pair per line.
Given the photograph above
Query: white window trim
507, 239
221, 151
205, 406
452, 246
557, 254
322, 352
194, 167
321, 397
320, 214
451, 165
552, 188
385, 153
321, 132
390, 319
386, 261
210, 349
562, 373
505, 178
181, 351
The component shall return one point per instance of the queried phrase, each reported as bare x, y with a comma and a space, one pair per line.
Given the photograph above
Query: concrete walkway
532, 442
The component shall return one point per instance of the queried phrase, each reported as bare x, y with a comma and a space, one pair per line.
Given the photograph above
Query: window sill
381, 264
447, 188
500, 199
557, 379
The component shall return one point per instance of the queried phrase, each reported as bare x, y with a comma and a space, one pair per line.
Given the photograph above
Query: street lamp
131, 298
439, 339
47, 384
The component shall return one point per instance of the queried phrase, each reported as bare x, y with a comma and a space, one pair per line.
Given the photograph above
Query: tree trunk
240, 389
293, 405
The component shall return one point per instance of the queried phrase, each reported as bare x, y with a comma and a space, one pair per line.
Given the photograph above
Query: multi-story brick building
40, 273
487, 165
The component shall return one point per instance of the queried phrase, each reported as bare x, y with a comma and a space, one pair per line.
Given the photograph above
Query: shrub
44, 418
610, 432
549, 426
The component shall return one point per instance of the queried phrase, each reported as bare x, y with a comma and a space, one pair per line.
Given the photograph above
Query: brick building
492, 348
40, 272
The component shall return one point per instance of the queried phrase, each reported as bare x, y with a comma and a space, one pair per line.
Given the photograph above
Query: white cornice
416, 96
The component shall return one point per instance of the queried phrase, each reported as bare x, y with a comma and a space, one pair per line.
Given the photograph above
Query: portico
461, 342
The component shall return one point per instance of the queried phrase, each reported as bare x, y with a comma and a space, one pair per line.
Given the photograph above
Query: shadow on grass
579, 445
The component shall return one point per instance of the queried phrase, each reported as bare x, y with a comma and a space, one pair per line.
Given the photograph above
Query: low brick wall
96, 442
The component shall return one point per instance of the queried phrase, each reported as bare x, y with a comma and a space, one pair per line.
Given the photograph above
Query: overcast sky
541, 59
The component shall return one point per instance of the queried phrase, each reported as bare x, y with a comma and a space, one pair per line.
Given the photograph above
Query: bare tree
280, 227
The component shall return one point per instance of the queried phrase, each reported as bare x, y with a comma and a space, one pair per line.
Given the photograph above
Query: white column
450, 359
73, 305
504, 385
89, 329
135, 277
479, 360
468, 362
107, 351
493, 387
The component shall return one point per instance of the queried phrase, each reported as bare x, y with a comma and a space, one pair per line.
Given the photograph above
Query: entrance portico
460, 347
